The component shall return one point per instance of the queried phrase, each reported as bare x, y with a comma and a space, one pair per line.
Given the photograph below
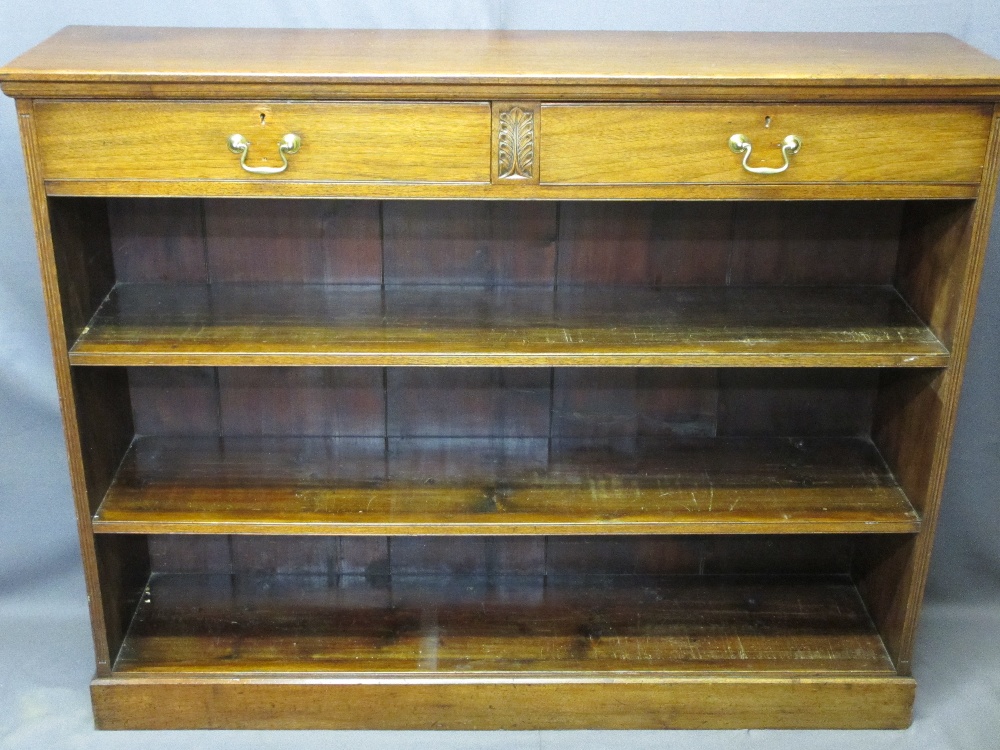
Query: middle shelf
327, 324
436, 486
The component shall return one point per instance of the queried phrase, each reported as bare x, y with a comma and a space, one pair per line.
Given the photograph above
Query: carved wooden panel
515, 143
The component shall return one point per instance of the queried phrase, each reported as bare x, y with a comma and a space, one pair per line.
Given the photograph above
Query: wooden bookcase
515, 400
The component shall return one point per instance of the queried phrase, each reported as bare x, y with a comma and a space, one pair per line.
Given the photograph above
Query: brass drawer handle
289, 144
739, 144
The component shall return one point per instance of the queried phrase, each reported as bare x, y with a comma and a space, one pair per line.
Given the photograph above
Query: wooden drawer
341, 141
652, 143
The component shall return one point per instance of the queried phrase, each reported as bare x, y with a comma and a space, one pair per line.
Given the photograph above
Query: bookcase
506, 380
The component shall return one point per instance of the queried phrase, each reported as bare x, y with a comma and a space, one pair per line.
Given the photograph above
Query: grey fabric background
45, 647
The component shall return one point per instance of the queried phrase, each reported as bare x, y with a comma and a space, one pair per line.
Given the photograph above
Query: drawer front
340, 141
639, 143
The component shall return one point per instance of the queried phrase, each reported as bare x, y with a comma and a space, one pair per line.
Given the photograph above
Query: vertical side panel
934, 257
104, 422
82, 253
915, 413
124, 566
58, 336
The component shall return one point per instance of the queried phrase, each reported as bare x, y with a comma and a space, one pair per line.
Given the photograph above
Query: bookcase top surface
95, 54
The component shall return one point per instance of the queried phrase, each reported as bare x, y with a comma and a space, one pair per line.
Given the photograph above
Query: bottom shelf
434, 626
481, 652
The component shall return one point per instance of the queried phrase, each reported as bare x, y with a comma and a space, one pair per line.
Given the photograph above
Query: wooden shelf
483, 626
247, 324
503, 486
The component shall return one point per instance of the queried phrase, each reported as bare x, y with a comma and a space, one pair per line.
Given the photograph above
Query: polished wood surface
471, 625
894, 577
622, 143
342, 141
512, 486
255, 324
449, 143
287, 58
62, 304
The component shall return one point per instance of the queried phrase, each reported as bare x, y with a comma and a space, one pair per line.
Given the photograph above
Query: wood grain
158, 241
828, 402
933, 262
679, 702
652, 243
389, 60
496, 486
288, 241
815, 242
301, 401
612, 144
619, 243
81, 260
468, 402
343, 141
918, 422
276, 324
175, 401
616, 405
609, 406
123, 565
469, 242
103, 596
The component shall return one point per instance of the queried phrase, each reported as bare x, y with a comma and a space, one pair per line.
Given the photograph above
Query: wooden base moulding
523, 703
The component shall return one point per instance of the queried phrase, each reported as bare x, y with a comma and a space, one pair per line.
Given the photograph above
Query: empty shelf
402, 486
483, 625
258, 324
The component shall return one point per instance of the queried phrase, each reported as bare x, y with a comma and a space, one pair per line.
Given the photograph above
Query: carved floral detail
516, 153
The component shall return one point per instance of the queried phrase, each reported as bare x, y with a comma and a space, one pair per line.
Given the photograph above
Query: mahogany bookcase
506, 380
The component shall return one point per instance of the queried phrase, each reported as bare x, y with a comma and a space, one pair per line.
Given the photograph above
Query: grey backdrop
45, 649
